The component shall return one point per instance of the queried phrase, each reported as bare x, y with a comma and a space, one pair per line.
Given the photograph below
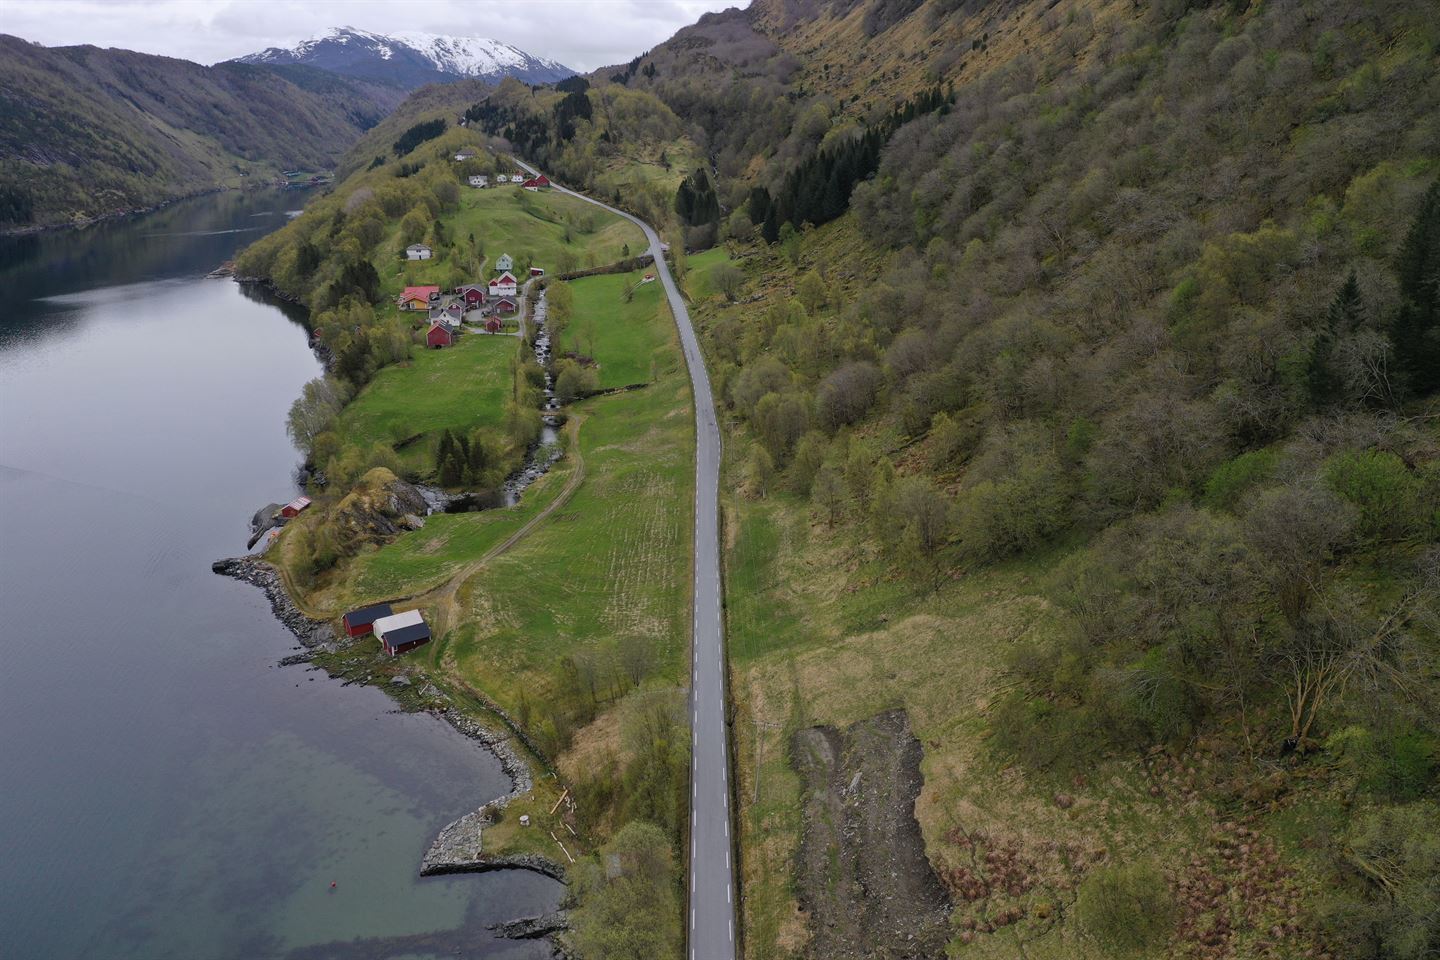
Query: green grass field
632, 342
699, 269
610, 567
422, 559
457, 388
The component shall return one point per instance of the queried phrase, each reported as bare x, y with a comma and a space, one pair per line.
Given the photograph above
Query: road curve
711, 918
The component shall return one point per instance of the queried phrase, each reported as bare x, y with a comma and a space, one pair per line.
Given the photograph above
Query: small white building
505, 262
418, 251
502, 178
466, 154
479, 181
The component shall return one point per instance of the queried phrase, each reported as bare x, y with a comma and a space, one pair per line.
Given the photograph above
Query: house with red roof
537, 182
417, 298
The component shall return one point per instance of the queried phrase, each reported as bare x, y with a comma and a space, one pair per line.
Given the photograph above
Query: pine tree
1416, 330
1341, 320
443, 452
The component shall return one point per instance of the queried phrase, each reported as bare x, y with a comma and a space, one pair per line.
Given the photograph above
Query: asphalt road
712, 877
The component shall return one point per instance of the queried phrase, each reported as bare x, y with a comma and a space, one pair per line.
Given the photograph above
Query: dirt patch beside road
864, 879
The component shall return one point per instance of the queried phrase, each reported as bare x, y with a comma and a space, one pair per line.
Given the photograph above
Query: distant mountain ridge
411, 59
86, 132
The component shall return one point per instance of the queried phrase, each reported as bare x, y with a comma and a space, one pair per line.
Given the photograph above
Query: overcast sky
582, 34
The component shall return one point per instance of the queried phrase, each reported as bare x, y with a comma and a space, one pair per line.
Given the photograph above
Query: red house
536, 182
439, 336
473, 293
293, 508
493, 325
537, 271
504, 305
362, 621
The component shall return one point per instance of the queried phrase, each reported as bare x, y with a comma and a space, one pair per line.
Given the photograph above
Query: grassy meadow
631, 341
458, 388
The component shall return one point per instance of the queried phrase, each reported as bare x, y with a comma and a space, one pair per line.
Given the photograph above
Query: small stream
542, 455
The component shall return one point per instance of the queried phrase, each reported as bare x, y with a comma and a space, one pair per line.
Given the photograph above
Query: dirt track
863, 876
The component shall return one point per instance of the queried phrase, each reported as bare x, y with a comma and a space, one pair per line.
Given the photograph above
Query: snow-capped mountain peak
412, 58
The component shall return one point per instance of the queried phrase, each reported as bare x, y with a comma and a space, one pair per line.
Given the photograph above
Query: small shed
401, 632
294, 507
537, 271
360, 622
418, 251
493, 325
438, 336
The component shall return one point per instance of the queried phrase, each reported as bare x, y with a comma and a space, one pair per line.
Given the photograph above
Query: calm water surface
165, 789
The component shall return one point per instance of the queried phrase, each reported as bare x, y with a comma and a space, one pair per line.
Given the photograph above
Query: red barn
293, 508
473, 293
362, 621
504, 305
537, 271
493, 325
536, 182
438, 336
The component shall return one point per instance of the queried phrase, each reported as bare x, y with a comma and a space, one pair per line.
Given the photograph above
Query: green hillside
86, 132
1097, 429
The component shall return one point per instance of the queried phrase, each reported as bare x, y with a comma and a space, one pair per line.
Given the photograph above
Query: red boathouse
360, 622
293, 508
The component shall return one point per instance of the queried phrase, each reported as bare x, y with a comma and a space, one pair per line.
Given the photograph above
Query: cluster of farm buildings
522, 180
486, 304
447, 313
397, 632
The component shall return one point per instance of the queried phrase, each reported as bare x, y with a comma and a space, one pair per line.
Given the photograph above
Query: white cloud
583, 34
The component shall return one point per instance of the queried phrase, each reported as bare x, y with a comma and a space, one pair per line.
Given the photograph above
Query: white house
502, 178
504, 285
505, 262
465, 154
479, 181
418, 251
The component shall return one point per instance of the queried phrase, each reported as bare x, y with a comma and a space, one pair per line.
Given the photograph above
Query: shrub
1232, 479
1126, 908
847, 394
1385, 493
1392, 857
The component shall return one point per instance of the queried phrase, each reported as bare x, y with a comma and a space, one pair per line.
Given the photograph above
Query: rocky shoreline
456, 848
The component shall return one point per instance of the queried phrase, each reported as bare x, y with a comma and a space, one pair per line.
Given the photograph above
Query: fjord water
168, 790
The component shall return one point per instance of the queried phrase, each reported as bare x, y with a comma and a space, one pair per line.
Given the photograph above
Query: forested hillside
86, 132
1112, 391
